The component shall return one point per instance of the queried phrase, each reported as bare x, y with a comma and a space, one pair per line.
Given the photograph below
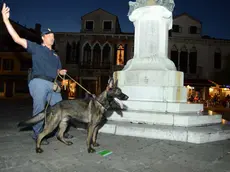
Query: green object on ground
105, 152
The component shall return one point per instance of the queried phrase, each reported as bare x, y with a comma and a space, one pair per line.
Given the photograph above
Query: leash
76, 83
82, 88
63, 78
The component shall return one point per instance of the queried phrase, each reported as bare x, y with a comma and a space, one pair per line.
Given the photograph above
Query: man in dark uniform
46, 66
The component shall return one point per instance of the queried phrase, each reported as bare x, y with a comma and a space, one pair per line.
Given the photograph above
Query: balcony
198, 74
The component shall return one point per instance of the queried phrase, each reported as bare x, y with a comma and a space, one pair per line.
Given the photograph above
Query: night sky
65, 16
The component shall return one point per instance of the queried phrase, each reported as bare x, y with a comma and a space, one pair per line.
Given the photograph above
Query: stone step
168, 107
196, 135
173, 119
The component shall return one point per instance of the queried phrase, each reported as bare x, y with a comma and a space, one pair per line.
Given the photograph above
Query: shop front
198, 89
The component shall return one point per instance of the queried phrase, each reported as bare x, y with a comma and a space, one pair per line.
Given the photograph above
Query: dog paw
96, 144
39, 150
69, 143
91, 150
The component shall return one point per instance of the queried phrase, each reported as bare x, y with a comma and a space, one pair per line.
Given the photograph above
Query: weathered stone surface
130, 154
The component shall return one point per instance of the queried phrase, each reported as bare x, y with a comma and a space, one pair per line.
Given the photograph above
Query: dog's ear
110, 82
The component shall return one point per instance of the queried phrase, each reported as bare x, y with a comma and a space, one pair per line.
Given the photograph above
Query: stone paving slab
130, 154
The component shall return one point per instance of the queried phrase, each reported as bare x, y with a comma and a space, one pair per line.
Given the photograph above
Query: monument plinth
157, 96
150, 75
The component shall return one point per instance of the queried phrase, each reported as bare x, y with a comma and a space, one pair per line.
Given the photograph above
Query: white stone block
161, 94
153, 132
173, 119
146, 118
196, 120
155, 106
146, 106
197, 135
184, 107
209, 134
153, 78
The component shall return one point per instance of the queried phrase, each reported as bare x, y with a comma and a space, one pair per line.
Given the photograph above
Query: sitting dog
92, 113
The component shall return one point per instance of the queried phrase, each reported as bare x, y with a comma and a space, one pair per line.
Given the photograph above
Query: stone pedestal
151, 39
157, 106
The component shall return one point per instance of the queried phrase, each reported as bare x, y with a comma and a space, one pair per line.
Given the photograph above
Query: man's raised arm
11, 30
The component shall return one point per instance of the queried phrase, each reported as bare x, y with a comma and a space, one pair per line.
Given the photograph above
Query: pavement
130, 154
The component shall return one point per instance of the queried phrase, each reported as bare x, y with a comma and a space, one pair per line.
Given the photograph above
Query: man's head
47, 37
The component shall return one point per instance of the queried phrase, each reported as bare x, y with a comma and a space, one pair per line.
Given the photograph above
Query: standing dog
92, 112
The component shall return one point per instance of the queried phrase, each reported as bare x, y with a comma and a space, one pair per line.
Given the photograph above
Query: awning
199, 83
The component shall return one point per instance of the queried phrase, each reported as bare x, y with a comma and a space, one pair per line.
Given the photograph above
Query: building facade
14, 60
100, 48
96, 51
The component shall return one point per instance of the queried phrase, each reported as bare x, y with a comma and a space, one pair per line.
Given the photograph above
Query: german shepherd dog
92, 112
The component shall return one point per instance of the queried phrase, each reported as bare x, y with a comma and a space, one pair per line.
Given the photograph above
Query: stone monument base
157, 109
148, 85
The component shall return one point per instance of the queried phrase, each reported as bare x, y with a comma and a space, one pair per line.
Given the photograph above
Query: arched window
174, 55
120, 55
183, 60
87, 54
193, 60
96, 54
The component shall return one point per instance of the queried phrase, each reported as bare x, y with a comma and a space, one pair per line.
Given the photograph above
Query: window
217, 60
8, 64
107, 25
97, 54
72, 52
89, 25
68, 52
87, 54
183, 60
174, 56
193, 60
120, 55
177, 29
106, 54
193, 30
25, 65
170, 33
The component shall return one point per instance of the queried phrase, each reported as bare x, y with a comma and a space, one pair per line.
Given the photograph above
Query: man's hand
62, 72
5, 12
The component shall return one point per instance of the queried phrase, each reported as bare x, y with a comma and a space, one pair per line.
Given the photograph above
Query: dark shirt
45, 62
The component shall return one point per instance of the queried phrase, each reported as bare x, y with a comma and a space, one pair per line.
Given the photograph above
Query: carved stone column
152, 23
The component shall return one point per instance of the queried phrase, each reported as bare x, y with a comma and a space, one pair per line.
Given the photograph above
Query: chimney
38, 28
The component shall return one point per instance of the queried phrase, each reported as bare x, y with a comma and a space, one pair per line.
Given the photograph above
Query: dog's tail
35, 119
